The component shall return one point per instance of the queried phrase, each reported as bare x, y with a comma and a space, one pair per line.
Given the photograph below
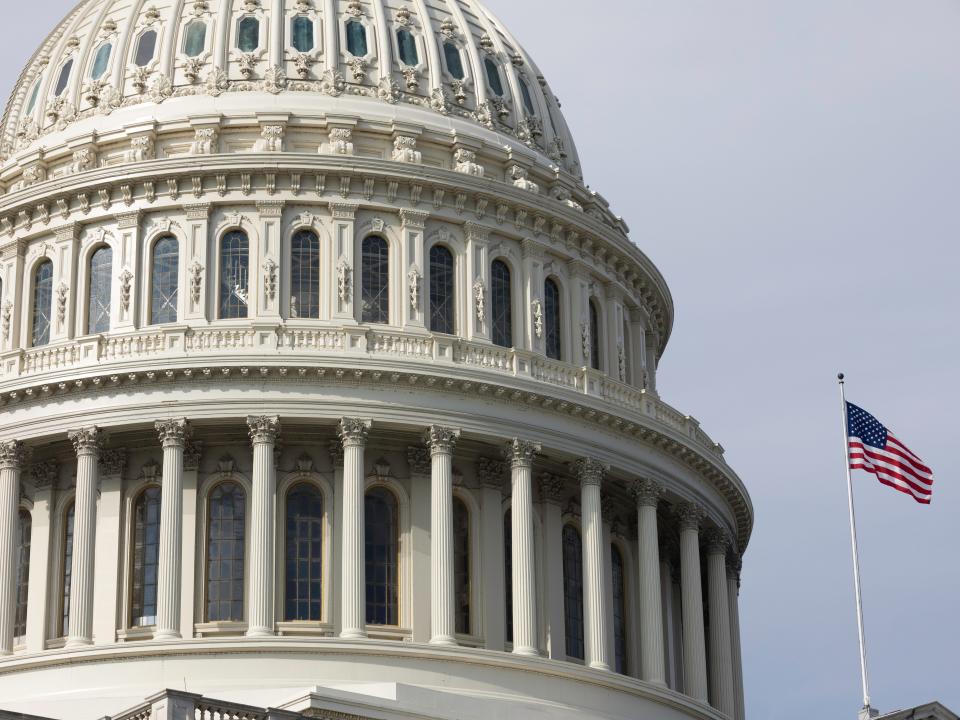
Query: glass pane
146, 47
67, 571
356, 39
573, 591
305, 275
234, 274
454, 62
248, 34
195, 38
493, 76
442, 297
164, 281
64, 77
42, 303
551, 319
501, 304
461, 565
407, 45
619, 610
304, 559
382, 548
23, 573
146, 554
303, 33
33, 96
527, 99
594, 336
98, 299
508, 571
100, 61
375, 281
225, 553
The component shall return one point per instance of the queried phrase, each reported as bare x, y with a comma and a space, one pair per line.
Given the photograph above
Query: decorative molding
588, 471
520, 453
263, 428
87, 441
441, 439
354, 432
173, 433
418, 460
14, 455
689, 516
646, 492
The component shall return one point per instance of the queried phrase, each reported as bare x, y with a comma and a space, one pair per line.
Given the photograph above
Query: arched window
375, 280
493, 76
508, 571
501, 304
234, 275
146, 558
527, 98
594, 335
164, 280
226, 531
32, 103
461, 565
627, 365
407, 46
305, 275
619, 610
146, 47
451, 54
42, 303
356, 38
304, 554
248, 34
100, 61
442, 291
573, 591
195, 38
23, 574
302, 31
67, 569
98, 294
63, 78
382, 557
553, 335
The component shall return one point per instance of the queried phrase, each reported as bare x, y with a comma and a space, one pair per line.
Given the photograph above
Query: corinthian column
520, 454
87, 443
263, 436
647, 494
689, 517
590, 473
721, 671
353, 434
443, 607
13, 456
734, 565
173, 438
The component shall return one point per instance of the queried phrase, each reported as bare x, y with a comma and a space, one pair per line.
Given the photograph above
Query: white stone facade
364, 318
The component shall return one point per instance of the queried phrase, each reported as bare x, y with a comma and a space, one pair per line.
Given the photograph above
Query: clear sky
794, 170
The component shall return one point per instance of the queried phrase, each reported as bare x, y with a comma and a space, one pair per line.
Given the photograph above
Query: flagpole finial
840, 377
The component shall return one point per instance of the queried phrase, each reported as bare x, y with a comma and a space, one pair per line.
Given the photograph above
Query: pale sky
793, 169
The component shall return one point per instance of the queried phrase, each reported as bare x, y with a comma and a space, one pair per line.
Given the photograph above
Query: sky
793, 170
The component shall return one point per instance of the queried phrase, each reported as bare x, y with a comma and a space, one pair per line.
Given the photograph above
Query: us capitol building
328, 389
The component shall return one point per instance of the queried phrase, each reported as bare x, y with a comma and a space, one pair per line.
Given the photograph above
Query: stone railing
177, 705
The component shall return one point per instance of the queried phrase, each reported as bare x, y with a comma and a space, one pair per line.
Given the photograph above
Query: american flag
873, 448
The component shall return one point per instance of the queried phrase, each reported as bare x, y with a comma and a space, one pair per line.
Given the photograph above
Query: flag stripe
905, 451
922, 501
893, 480
858, 461
892, 460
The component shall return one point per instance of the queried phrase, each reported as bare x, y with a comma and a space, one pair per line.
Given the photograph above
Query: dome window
100, 61
33, 96
501, 304
146, 47
302, 31
451, 54
64, 77
356, 39
248, 34
407, 46
493, 76
195, 38
42, 304
527, 98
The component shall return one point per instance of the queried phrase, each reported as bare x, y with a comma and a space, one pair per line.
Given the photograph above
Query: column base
166, 635
600, 666
259, 632
444, 640
526, 651
77, 642
353, 635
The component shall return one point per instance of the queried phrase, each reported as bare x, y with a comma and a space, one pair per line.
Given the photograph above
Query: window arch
248, 34
553, 334
146, 48
508, 571
234, 275
442, 291
164, 280
66, 573
461, 565
375, 280
195, 38
42, 303
356, 38
573, 591
407, 47
146, 557
305, 275
451, 53
101, 61
99, 291
382, 553
301, 30
594, 335
501, 304
226, 534
63, 78
493, 76
304, 554
25, 528
618, 570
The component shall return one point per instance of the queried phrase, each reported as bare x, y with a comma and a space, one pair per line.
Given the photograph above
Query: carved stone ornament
441, 439
520, 180
465, 162
263, 428
335, 448
332, 83
270, 271
305, 464
192, 454
418, 459
45, 474
716, 541
339, 142
196, 281
689, 516
537, 310
622, 361
14, 455
588, 471
480, 300
271, 139
413, 280
551, 487
173, 433
205, 141
87, 441
343, 281
520, 453
274, 79
226, 465
113, 462
141, 148
646, 492
491, 473
405, 150
7, 318
353, 432
126, 286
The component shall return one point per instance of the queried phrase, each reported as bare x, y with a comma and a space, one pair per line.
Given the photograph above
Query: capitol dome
328, 389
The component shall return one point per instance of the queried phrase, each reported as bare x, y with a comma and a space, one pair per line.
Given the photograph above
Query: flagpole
867, 710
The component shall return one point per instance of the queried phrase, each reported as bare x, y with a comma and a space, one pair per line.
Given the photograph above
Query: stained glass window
33, 96
508, 571
100, 61
501, 304
146, 557
23, 573
164, 281
67, 570
454, 61
42, 303
305, 275
234, 275
225, 553
442, 295
356, 38
382, 557
302, 31
248, 34
573, 591
407, 45
304, 554
527, 98
461, 565
619, 610
146, 47
64, 77
594, 336
98, 297
493, 76
195, 38
551, 319
375, 280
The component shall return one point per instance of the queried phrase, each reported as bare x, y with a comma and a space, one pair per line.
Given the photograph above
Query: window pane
527, 99
146, 554
619, 610
508, 571
225, 553
375, 273
356, 39
305, 275
303, 33
164, 281
146, 46
234, 275
248, 34
382, 557
33, 96
461, 565
67, 571
454, 62
42, 303
98, 298
493, 76
100, 61
304, 559
195, 38
501, 304
594, 336
442, 297
23, 574
551, 319
407, 45
573, 591
64, 77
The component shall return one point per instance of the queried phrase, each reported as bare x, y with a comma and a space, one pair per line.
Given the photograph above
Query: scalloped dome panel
446, 63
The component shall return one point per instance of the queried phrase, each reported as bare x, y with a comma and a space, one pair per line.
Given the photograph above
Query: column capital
173, 433
353, 432
441, 439
551, 488
716, 541
14, 455
520, 453
589, 471
263, 428
689, 516
491, 473
87, 441
418, 459
734, 565
647, 492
